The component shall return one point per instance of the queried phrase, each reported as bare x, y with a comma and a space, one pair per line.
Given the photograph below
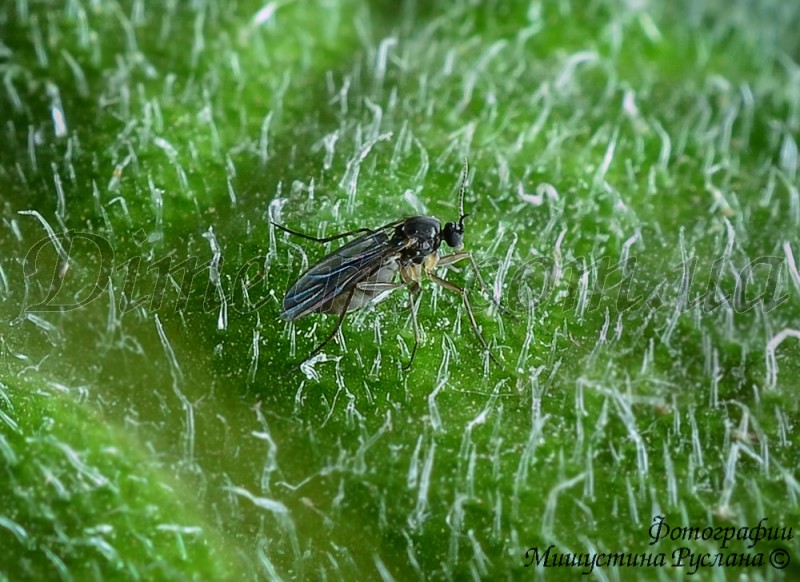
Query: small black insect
364, 270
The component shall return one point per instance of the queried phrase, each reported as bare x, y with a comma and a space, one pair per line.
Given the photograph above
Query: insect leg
335, 236
460, 256
378, 286
322, 240
413, 291
414, 299
456, 289
318, 349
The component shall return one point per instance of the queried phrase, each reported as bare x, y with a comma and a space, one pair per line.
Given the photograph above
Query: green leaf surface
633, 204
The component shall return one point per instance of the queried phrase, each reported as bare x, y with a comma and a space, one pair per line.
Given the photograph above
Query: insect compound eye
453, 234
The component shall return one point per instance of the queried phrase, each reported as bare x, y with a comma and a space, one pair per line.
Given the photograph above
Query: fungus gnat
364, 270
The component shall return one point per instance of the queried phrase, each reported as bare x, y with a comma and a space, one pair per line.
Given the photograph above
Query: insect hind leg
334, 237
325, 239
338, 326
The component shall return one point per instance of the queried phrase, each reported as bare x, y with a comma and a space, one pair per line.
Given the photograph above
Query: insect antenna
462, 192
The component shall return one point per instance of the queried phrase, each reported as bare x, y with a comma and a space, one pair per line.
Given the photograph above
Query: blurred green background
633, 203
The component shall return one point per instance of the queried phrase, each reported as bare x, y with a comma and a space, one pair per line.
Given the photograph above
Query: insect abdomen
361, 297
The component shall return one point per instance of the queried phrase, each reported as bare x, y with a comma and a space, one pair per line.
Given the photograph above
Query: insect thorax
420, 237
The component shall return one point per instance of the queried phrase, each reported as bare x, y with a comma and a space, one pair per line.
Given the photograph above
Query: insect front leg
460, 256
456, 289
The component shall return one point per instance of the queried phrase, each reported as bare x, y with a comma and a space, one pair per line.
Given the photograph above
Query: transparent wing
336, 274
